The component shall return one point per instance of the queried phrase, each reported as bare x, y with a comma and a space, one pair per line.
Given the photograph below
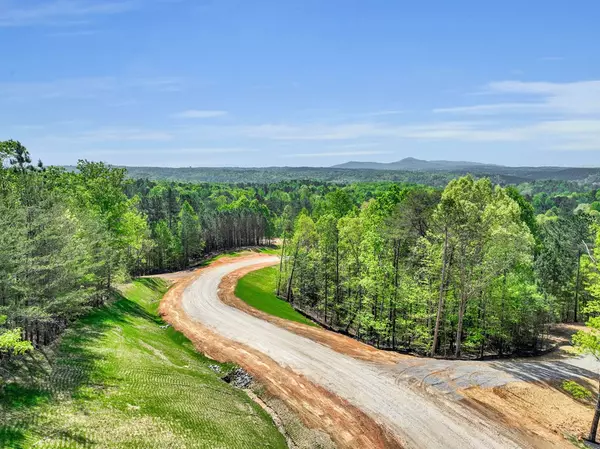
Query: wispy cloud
109, 88
383, 113
177, 150
55, 12
563, 116
104, 135
124, 135
491, 109
199, 113
337, 153
73, 33
563, 134
575, 98
457, 130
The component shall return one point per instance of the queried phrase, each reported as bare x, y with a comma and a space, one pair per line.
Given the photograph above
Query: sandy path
418, 419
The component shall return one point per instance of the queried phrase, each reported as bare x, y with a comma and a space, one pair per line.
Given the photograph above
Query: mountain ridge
411, 163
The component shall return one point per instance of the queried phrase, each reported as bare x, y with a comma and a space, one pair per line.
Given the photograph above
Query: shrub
577, 391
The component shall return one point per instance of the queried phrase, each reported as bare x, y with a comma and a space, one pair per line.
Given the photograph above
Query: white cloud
30, 12
310, 132
175, 150
107, 134
564, 116
338, 153
86, 88
383, 113
452, 130
492, 109
574, 98
558, 133
199, 113
124, 135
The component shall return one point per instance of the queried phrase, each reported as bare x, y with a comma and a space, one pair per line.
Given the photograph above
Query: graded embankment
122, 379
418, 420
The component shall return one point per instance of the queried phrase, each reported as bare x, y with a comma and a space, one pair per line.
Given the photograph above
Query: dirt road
418, 419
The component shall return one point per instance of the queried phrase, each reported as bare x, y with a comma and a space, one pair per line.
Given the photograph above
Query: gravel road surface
419, 419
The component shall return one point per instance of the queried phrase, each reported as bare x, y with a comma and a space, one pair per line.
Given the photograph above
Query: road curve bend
418, 419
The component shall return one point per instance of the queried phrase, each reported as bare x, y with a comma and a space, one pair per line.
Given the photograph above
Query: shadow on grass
75, 365
155, 284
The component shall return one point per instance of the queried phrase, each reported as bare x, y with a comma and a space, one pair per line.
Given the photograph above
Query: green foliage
121, 380
576, 390
588, 341
11, 342
399, 265
375, 271
531, 179
189, 233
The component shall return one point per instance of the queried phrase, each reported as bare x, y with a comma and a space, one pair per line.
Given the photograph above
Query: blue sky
301, 82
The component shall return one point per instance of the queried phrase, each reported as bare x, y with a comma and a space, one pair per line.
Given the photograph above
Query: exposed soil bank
318, 408
415, 417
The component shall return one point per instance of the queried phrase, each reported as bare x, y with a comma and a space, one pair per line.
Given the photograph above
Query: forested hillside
465, 270
472, 269
433, 173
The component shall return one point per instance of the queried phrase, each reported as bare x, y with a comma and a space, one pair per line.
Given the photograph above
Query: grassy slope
119, 380
257, 289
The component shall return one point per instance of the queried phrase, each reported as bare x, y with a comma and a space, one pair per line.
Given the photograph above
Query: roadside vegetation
459, 267
121, 378
468, 271
257, 289
577, 391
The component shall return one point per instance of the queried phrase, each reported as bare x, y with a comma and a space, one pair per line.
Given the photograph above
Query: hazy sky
301, 82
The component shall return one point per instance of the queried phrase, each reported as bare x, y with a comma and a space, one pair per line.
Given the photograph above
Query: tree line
473, 268
67, 237
469, 270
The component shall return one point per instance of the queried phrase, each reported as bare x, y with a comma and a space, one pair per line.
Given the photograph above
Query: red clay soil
545, 415
318, 408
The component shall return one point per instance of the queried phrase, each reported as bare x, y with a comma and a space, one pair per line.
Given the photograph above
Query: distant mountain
411, 163
409, 170
436, 173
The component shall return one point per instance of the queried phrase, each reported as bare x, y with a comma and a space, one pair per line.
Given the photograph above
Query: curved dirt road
418, 419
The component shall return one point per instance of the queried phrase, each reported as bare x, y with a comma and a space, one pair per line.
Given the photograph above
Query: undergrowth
577, 391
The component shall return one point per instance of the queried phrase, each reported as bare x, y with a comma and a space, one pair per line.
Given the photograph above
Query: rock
238, 378
215, 368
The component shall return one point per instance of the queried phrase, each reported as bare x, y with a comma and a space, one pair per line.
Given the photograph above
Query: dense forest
428, 173
466, 268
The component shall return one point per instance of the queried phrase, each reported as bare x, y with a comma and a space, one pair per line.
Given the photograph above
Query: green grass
119, 380
257, 289
577, 391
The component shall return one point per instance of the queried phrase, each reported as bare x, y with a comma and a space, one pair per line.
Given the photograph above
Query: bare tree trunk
326, 294
281, 266
594, 429
577, 286
459, 327
441, 297
337, 274
395, 297
289, 289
